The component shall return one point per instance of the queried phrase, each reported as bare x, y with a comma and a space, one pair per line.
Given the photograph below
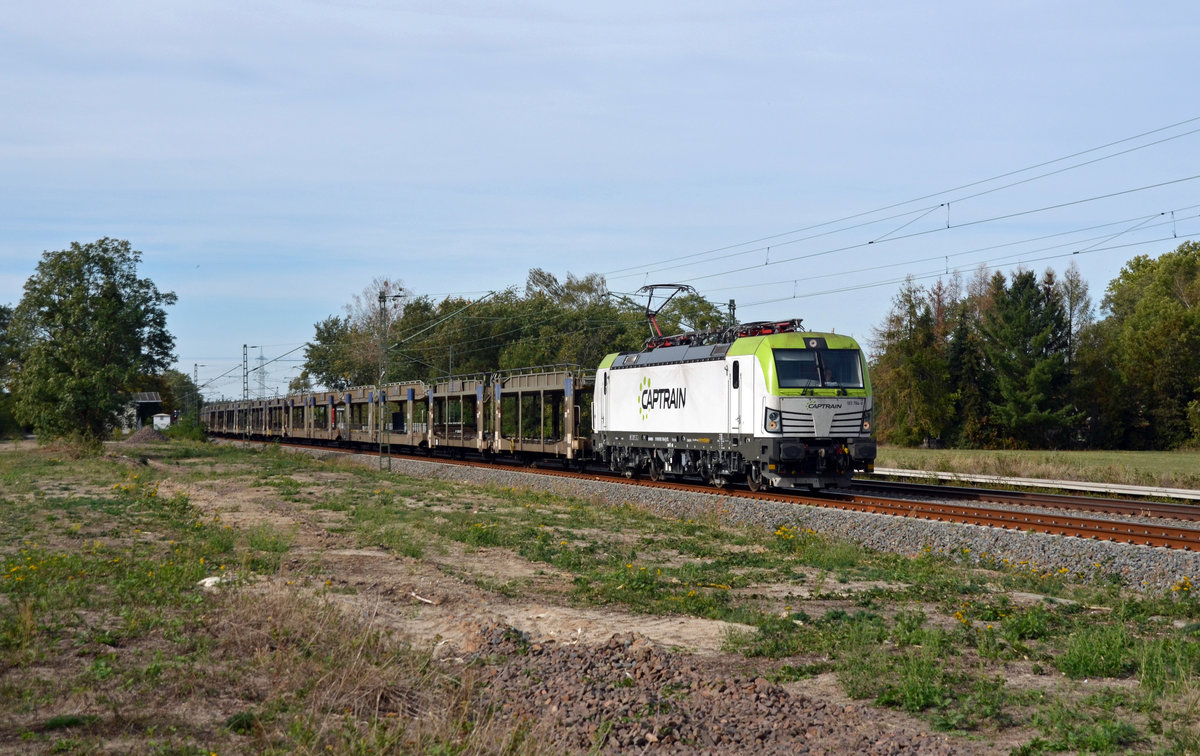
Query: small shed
162, 421
142, 406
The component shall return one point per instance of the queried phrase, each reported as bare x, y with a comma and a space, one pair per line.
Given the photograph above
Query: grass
99, 593
100, 609
1173, 469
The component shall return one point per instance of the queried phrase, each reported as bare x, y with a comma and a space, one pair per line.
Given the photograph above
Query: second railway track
1008, 518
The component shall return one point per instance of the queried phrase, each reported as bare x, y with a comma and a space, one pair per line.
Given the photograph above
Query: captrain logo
664, 398
642, 390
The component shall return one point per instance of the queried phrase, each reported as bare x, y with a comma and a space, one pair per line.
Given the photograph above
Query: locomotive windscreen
826, 368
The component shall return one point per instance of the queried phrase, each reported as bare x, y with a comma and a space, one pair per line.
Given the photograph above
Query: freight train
766, 404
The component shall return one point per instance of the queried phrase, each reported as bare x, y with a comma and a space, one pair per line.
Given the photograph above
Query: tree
970, 379
182, 395
346, 351
1027, 341
1078, 308
301, 384
85, 331
911, 374
329, 357
8, 424
1154, 307
7, 347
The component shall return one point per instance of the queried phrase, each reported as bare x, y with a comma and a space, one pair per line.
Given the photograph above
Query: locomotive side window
827, 368
737, 374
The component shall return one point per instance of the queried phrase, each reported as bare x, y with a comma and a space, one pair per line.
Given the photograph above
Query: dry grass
331, 683
1175, 469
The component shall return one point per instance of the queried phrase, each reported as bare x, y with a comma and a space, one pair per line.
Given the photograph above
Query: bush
187, 429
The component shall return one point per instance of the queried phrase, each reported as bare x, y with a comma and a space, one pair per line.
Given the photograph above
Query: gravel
628, 696
1140, 567
147, 434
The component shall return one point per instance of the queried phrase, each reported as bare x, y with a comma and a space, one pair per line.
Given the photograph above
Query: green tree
85, 331
970, 380
301, 384
329, 357
1110, 419
182, 395
910, 374
346, 350
7, 347
8, 423
1027, 341
1154, 307
690, 312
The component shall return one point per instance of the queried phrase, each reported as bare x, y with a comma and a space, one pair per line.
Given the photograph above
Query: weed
1027, 624
917, 681
1067, 729
908, 627
1096, 651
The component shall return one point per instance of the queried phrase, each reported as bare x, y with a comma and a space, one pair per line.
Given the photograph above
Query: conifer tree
1026, 345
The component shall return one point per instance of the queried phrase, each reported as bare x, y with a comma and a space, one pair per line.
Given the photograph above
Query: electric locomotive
765, 403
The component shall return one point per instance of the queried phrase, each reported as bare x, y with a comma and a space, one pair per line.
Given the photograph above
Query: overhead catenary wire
1139, 221
893, 206
938, 273
1006, 216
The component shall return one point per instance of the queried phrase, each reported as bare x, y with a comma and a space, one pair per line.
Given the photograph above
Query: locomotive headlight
772, 424
866, 422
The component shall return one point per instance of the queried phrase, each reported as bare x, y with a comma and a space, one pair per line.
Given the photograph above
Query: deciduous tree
1154, 305
84, 332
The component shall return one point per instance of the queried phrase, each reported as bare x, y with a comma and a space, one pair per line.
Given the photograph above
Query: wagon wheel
716, 479
754, 478
656, 468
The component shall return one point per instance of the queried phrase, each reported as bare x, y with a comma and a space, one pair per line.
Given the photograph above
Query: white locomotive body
766, 404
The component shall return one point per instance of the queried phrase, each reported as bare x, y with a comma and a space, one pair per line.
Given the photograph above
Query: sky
269, 159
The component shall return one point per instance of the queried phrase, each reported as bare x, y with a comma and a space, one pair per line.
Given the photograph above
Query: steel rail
1129, 507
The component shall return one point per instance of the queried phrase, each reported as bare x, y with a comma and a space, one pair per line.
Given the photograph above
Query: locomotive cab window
827, 368
737, 374
841, 368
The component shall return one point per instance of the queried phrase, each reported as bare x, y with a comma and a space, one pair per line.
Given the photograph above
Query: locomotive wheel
754, 479
656, 469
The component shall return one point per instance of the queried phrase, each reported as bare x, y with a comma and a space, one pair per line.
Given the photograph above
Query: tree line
388, 334
1013, 361
1022, 361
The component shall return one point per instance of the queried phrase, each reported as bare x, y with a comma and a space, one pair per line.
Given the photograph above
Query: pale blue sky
271, 158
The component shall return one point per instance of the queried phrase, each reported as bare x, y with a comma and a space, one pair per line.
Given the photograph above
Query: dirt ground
436, 601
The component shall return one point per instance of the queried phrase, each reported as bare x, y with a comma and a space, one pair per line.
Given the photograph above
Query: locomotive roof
679, 353
682, 353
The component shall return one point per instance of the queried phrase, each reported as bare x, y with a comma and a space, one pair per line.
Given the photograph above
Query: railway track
1126, 507
1065, 524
